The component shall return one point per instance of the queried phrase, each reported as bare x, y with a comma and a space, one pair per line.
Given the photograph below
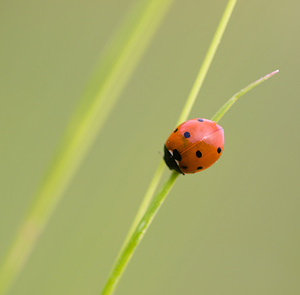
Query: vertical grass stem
114, 71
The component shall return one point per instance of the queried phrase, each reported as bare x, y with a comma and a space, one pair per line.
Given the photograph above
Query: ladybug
194, 146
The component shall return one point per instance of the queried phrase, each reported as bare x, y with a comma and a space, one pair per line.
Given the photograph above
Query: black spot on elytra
186, 134
184, 167
199, 168
176, 130
198, 154
176, 155
219, 150
200, 120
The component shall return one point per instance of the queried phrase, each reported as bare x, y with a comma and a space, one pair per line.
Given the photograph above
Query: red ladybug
194, 146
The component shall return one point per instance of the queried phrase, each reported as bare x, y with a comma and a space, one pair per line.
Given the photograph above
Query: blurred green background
231, 229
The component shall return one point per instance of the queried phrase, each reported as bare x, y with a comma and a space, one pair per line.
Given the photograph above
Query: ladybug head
171, 161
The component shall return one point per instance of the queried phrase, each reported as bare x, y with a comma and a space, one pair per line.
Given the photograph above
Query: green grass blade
123, 258
137, 235
207, 62
142, 226
221, 112
118, 63
146, 201
186, 110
